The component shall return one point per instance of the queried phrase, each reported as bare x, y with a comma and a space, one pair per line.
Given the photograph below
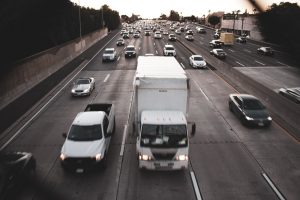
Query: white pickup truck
88, 139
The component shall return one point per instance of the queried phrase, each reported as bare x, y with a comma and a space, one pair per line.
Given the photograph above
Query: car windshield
130, 49
164, 135
198, 58
82, 81
170, 48
268, 49
253, 104
85, 133
109, 51
220, 51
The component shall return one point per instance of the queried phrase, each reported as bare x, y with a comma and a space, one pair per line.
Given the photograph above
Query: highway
227, 160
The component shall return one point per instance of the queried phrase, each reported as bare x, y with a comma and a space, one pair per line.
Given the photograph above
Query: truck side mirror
64, 135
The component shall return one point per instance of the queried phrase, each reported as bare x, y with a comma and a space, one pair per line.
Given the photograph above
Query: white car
197, 61
136, 35
169, 50
165, 33
178, 32
189, 37
83, 86
157, 35
109, 54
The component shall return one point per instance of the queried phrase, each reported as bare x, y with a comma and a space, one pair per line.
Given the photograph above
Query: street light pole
79, 16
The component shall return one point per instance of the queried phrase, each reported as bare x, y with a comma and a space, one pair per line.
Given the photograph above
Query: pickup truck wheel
104, 162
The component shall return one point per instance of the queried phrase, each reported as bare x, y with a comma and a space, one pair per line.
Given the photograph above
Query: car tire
104, 161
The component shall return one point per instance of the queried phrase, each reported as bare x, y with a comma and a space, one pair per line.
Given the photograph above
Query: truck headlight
62, 157
144, 157
98, 157
249, 118
182, 157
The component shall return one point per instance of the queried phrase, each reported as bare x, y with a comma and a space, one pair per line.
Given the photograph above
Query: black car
291, 93
172, 37
219, 53
130, 51
249, 110
265, 51
15, 168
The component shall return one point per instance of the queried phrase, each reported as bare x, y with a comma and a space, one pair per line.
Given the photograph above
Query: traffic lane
46, 145
275, 151
223, 167
148, 185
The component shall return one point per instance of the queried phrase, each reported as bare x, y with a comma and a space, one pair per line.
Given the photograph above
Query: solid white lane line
50, 100
154, 43
206, 97
106, 78
156, 52
123, 140
259, 62
230, 50
195, 185
240, 63
269, 181
282, 64
182, 66
118, 58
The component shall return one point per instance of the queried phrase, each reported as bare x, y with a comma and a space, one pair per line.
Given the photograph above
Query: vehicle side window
105, 125
238, 101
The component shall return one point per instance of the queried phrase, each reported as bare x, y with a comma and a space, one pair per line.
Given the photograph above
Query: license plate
260, 124
79, 170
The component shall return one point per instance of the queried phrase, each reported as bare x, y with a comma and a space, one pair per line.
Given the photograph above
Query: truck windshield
85, 133
164, 135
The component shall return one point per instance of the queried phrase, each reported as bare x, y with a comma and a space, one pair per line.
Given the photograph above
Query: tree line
31, 26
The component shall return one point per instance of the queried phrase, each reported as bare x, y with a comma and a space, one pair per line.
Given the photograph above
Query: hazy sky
154, 8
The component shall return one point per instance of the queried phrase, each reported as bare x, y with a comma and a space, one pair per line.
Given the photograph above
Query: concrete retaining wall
32, 70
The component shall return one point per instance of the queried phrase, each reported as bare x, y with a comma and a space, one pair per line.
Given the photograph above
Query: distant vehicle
109, 54
122, 31
136, 35
130, 31
165, 33
83, 86
219, 53
265, 51
215, 43
197, 61
200, 30
157, 35
169, 50
147, 33
172, 37
130, 51
181, 29
120, 42
125, 35
241, 40
189, 32
88, 138
249, 110
189, 37
16, 169
178, 32
216, 36
172, 28
227, 38
291, 93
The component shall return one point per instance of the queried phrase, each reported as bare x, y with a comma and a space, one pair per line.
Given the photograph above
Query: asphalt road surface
227, 160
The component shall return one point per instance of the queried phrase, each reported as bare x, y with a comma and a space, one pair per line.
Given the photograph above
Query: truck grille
79, 161
163, 156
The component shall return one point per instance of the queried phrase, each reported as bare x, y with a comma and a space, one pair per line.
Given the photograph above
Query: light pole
79, 16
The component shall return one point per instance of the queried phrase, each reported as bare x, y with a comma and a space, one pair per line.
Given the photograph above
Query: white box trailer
161, 105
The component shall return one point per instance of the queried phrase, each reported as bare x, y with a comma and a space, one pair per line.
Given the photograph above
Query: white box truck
161, 104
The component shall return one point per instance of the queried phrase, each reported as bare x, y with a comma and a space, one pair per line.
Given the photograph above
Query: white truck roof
89, 118
159, 66
163, 117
